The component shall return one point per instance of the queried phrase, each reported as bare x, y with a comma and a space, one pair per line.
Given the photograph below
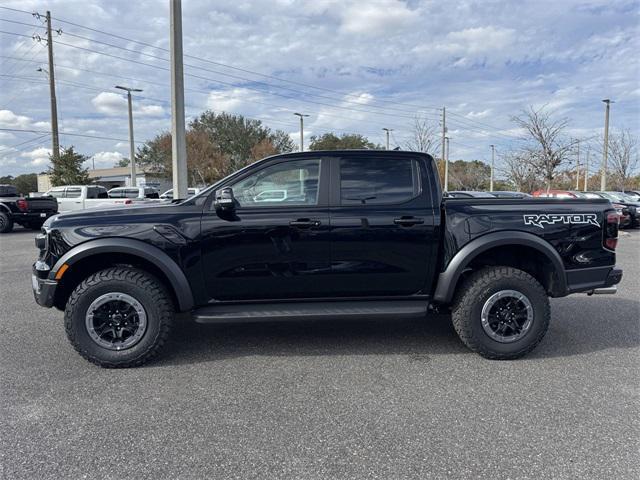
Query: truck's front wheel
501, 313
119, 317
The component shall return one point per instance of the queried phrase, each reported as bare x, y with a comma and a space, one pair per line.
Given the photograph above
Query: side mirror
224, 200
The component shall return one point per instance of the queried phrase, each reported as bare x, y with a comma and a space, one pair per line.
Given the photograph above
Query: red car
554, 194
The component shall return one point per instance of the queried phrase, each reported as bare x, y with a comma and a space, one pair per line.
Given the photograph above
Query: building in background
115, 177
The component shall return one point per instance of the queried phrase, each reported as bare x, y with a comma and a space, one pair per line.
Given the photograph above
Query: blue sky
373, 63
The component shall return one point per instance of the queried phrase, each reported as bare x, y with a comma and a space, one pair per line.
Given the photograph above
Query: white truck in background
80, 197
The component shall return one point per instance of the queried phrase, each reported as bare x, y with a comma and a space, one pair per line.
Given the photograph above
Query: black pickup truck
348, 234
30, 212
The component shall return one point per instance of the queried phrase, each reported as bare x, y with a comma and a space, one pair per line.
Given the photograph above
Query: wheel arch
93, 255
509, 245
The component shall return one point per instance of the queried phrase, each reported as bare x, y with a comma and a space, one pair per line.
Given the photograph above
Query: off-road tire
146, 289
471, 297
6, 222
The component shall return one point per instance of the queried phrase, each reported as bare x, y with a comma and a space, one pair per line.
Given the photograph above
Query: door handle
408, 221
304, 223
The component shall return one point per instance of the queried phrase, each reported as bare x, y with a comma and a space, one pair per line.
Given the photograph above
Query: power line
14, 147
231, 66
66, 133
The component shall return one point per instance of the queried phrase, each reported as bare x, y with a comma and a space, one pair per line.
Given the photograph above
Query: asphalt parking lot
324, 400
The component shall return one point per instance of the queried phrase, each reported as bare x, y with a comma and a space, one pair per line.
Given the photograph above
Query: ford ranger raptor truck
315, 235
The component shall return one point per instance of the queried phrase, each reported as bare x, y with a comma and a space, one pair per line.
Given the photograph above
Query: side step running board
352, 310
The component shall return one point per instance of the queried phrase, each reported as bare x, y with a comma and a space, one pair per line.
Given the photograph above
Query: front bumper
589, 279
44, 290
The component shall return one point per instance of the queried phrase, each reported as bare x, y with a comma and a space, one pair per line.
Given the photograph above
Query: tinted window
56, 192
92, 192
131, 193
289, 183
102, 192
72, 192
151, 193
374, 181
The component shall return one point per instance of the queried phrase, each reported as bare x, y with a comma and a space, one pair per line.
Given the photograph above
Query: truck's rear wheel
119, 317
501, 313
6, 223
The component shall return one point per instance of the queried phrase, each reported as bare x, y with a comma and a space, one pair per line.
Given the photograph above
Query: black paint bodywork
340, 252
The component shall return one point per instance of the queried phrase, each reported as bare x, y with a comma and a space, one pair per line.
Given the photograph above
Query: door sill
321, 310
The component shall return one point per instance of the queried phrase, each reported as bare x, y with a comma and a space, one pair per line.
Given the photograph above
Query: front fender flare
448, 279
166, 264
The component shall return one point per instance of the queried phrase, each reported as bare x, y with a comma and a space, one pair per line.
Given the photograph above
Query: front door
276, 243
383, 232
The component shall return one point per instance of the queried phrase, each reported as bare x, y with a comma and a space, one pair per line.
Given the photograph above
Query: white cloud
38, 157
377, 17
110, 103
8, 119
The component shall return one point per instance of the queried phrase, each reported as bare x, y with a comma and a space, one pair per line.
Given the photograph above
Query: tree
67, 169
424, 137
218, 144
473, 175
623, 158
519, 171
331, 141
546, 149
234, 136
26, 183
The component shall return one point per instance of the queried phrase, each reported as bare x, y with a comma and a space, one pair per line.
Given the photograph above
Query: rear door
383, 233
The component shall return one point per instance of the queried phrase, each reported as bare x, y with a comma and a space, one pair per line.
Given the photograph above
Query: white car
168, 195
79, 197
134, 193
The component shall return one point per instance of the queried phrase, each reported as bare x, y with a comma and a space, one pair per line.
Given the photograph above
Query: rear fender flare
448, 279
177, 279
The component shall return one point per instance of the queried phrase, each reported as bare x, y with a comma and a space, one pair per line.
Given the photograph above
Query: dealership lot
323, 400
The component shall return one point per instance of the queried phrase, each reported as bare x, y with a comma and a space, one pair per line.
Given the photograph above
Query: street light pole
178, 132
301, 129
132, 149
605, 150
586, 169
52, 93
493, 163
446, 165
388, 131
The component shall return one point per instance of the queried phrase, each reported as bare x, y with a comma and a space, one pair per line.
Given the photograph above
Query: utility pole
446, 165
586, 169
178, 136
605, 151
132, 150
493, 164
578, 166
52, 93
444, 135
388, 130
301, 115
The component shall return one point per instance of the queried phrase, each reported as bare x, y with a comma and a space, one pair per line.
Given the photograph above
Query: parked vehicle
80, 197
168, 195
468, 194
134, 193
507, 194
360, 234
633, 194
625, 202
30, 212
555, 194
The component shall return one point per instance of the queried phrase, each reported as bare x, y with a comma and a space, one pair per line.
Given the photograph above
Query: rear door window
73, 192
378, 181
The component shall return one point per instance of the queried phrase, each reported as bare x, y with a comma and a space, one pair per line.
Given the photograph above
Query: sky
352, 66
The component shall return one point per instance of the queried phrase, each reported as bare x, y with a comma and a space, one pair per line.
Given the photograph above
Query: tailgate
42, 204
